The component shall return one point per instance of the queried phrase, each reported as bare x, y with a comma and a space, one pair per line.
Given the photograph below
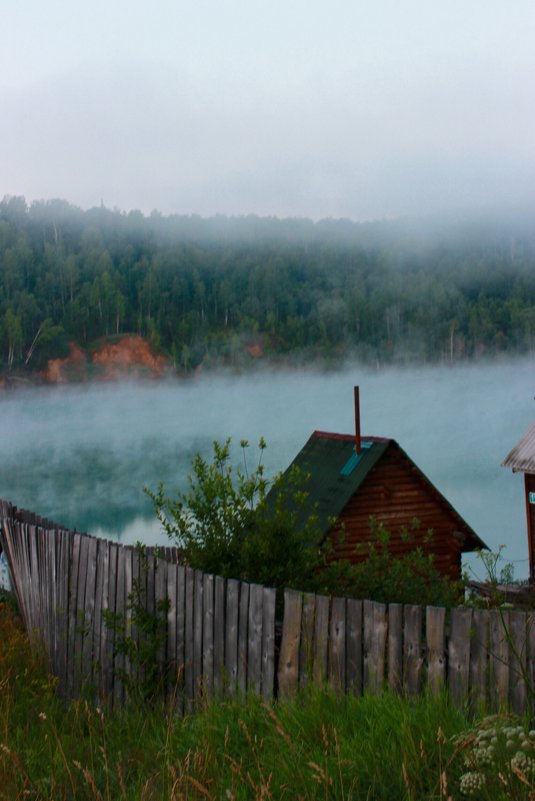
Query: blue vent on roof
353, 460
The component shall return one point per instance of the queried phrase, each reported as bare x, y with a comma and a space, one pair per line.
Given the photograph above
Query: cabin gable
395, 494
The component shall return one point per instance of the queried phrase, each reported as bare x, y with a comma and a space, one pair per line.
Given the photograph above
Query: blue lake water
81, 455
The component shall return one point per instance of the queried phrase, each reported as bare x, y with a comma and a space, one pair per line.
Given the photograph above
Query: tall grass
318, 746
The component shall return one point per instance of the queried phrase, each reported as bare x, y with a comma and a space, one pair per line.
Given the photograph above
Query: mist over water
81, 455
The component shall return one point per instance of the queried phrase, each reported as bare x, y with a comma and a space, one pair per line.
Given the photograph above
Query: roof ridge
349, 437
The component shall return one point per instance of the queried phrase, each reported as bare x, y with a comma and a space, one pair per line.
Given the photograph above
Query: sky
353, 109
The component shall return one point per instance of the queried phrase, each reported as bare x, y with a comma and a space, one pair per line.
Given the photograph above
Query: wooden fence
220, 634
361, 646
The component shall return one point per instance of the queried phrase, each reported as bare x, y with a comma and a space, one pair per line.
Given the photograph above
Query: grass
318, 746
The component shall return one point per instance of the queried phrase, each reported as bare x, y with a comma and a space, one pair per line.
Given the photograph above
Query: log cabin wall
395, 495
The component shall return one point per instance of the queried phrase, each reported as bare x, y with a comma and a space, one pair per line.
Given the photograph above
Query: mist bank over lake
81, 455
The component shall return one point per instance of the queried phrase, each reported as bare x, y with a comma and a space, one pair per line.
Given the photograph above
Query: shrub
224, 524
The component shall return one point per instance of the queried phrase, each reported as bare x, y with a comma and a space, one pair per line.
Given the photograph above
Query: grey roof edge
521, 458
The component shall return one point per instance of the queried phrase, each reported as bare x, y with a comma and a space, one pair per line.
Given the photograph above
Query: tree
225, 524
13, 329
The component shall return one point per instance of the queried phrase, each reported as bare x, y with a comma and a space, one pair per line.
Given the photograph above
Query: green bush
409, 579
225, 525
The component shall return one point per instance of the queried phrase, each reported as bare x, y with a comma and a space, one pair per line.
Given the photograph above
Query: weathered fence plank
459, 654
268, 642
375, 627
129, 611
354, 646
254, 639
291, 636
161, 601
63, 564
499, 659
180, 657
306, 646
412, 649
436, 648
111, 598
171, 627
89, 613
337, 645
219, 636
120, 609
231, 635
189, 679
198, 619
208, 636
243, 636
395, 646
321, 638
479, 659
518, 661
72, 680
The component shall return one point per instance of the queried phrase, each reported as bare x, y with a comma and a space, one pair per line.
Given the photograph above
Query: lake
82, 455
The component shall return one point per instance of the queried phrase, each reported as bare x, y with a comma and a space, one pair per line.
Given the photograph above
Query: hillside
228, 291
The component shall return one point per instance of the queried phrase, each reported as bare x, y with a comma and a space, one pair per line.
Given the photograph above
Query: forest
228, 291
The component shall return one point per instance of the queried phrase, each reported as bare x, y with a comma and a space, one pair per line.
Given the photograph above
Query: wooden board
321, 639
189, 679
120, 611
268, 643
208, 636
459, 655
306, 646
518, 661
354, 646
254, 639
89, 615
289, 650
179, 686
435, 627
337, 645
412, 649
219, 636
243, 637
73, 653
198, 619
499, 660
395, 646
231, 635
171, 628
479, 660
375, 631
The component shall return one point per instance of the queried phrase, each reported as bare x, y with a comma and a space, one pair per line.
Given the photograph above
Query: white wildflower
472, 782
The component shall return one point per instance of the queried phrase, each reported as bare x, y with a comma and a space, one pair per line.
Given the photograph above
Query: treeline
214, 290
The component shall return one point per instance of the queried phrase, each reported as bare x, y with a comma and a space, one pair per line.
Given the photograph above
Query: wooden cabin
521, 459
356, 479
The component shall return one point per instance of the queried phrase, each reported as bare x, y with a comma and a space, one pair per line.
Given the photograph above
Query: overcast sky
275, 107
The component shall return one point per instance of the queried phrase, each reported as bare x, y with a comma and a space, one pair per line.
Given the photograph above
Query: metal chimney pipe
357, 421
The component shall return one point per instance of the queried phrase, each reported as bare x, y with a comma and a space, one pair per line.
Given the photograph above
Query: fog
346, 109
81, 455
